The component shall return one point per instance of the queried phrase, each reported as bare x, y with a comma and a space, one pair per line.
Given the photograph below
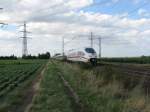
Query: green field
99, 89
51, 96
15, 77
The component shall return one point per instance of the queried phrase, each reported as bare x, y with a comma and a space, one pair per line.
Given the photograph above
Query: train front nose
93, 61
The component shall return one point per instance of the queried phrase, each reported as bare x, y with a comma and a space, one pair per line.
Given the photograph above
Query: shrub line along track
132, 70
76, 102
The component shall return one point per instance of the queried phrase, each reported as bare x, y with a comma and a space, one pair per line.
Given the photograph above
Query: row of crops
14, 73
138, 60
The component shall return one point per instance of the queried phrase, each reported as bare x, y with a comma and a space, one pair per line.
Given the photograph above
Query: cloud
115, 1
78, 4
139, 1
136, 1
50, 20
143, 13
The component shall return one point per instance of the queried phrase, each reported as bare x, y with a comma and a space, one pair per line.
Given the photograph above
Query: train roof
78, 49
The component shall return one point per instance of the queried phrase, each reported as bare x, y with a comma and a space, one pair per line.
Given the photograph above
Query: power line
55, 5
99, 3
70, 40
130, 12
99, 38
47, 8
63, 46
91, 38
100, 47
84, 35
91, 42
24, 42
64, 43
105, 2
115, 4
134, 10
2, 24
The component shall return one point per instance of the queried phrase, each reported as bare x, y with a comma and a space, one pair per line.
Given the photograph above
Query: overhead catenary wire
75, 37
94, 36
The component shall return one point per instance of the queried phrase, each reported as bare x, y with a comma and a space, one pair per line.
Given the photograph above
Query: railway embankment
96, 89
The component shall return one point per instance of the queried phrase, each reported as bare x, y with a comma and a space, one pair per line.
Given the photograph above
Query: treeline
12, 57
138, 60
40, 56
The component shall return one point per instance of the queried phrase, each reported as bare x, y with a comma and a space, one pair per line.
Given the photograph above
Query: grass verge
51, 96
104, 89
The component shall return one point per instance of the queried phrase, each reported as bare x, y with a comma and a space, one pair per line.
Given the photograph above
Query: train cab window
90, 50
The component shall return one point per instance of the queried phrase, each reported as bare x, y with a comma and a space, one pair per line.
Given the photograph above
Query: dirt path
77, 105
76, 102
31, 92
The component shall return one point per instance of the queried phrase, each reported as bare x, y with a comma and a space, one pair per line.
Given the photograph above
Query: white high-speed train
59, 56
82, 55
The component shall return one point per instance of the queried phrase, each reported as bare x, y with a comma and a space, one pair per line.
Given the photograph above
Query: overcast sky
123, 25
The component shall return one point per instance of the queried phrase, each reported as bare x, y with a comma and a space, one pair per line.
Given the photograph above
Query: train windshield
90, 50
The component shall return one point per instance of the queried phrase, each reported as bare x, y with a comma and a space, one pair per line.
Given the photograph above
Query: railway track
135, 75
132, 70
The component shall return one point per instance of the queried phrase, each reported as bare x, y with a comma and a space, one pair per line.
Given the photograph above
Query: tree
44, 55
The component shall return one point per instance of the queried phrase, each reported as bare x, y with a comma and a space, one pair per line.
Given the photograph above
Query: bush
40, 56
138, 60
